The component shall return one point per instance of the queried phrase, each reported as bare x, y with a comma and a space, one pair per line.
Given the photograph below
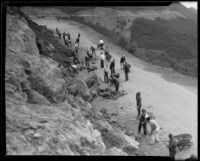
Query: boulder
92, 80
115, 151
82, 89
36, 98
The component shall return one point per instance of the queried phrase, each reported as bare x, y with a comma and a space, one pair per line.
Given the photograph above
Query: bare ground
174, 102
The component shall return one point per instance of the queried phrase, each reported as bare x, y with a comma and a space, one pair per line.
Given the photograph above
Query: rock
35, 97
92, 80
82, 89
115, 151
37, 135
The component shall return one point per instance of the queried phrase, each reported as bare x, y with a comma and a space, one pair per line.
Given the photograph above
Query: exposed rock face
39, 118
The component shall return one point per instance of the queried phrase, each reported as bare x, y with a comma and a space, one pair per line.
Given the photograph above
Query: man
58, 33
64, 36
172, 147
79, 35
77, 40
155, 128
87, 61
89, 54
126, 70
92, 49
122, 60
116, 82
102, 58
112, 67
66, 43
76, 47
106, 70
75, 58
139, 102
74, 68
101, 43
142, 122
69, 40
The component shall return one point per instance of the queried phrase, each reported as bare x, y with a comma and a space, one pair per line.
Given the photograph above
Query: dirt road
174, 102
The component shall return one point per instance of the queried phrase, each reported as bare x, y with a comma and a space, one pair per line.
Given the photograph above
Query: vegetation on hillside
175, 38
167, 43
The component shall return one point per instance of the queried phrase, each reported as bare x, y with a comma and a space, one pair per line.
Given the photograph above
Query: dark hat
170, 135
143, 110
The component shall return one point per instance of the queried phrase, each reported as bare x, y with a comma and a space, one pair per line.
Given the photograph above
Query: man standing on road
69, 40
76, 47
172, 147
75, 57
112, 67
142, 122
87, 61
154, 130
138, 102
116, 82
58, 33
126, 70
102, 60
122, 60
92, 49
101, 43
77, 40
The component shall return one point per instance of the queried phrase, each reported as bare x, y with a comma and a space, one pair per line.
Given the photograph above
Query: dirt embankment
48, 112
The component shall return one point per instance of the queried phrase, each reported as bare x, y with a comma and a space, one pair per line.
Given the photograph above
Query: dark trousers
172, 155
126, 76
138, 110
112, 71
106, 77
87, 63
144, 128
117, 86
102, 63
76, 60
76, 50
66, 43
69, 44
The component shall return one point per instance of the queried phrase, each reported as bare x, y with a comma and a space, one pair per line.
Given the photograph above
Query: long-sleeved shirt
154, 125
102, 57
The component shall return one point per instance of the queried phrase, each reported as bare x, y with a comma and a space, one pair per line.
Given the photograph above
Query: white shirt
101, 41
102, 56
74, 66
76, 45
154, 125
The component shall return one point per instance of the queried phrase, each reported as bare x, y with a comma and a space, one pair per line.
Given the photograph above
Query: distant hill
193, 10
167, 35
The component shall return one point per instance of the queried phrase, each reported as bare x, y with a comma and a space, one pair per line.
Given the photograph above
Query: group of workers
142, 115
155, 128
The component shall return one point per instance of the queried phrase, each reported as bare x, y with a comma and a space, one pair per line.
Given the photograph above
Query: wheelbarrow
183, 140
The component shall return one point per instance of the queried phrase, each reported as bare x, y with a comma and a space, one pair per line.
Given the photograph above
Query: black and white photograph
116, 80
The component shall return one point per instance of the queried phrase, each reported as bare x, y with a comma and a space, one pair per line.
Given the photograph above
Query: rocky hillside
48, 112
164, 36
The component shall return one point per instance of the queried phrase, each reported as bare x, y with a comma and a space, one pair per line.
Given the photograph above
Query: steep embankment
164, 36
48, 111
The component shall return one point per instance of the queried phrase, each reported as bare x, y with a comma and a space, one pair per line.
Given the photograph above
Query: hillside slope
167, 35
48, 112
